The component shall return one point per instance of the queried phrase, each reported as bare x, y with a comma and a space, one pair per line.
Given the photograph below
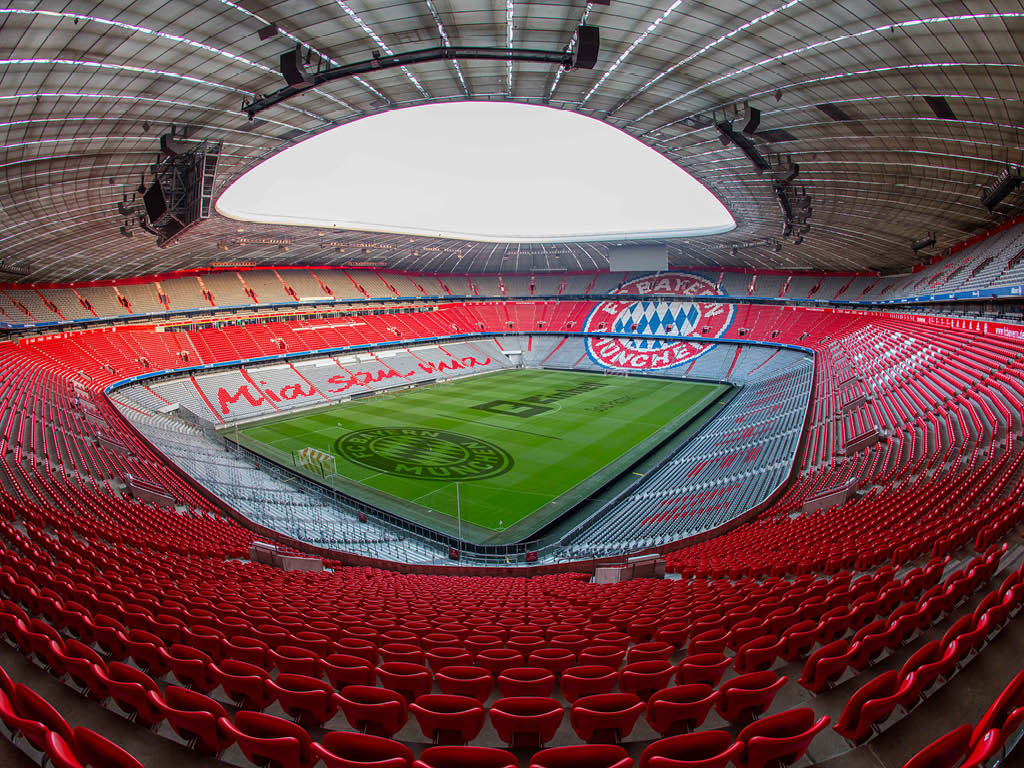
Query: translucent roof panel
484, 171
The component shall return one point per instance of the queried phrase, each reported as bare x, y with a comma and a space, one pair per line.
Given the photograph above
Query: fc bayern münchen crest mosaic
662, 315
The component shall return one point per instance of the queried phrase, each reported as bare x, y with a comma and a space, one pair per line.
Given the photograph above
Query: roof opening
486, 171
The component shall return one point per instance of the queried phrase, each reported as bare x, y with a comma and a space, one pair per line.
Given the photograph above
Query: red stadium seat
1005, 715
267, 739
448, 719
474, 682
497, 660
127, 686
779, 739
588, 681
444, 656
758, 654
60, 753
650, 651
245, 684
526, 681
945, 752
526, 721
291, 659
644, 678
605, 718
871, 705
582, 756
466, 757
95, 751
340, 669
410, 680
825, 666
555, 660
309, 700
30, 715
707, 749
190, 666
703, 668
194, 717
376, 711
603, 655
746, 697
680, 709
341, 749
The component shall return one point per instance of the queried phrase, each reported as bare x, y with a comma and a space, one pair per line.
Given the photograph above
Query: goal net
323, 464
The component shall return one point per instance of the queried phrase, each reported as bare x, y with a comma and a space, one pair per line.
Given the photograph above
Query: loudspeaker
170, 146
294, 70
156, 204
753, 120
588, 46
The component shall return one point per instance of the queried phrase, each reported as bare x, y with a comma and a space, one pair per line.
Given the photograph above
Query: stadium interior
676, 493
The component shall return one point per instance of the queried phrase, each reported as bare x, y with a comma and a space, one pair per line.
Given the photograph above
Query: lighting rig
179, 194
999, 188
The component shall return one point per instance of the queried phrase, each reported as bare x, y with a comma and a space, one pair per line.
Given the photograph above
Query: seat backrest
466, 757
582, 756
94, 750
364, 747
184, 699
30, 705
693, 747
945, 751
262, 726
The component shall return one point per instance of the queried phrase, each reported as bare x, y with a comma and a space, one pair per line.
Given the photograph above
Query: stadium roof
896, 113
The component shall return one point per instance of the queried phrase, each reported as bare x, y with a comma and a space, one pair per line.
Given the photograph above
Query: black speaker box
294, 70
753, 120
588, 46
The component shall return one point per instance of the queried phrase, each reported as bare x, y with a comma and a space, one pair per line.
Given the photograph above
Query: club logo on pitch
424, 454
669, 312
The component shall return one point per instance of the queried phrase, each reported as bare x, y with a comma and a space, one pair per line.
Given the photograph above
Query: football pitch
491, 450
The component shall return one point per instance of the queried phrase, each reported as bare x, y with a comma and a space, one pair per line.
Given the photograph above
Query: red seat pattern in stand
146, 582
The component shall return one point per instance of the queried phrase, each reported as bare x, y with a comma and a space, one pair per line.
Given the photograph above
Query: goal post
315, 460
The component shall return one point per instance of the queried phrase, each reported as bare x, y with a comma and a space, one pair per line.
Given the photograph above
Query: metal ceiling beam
439, 53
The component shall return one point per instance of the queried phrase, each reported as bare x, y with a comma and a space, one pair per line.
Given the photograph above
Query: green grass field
514, 442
